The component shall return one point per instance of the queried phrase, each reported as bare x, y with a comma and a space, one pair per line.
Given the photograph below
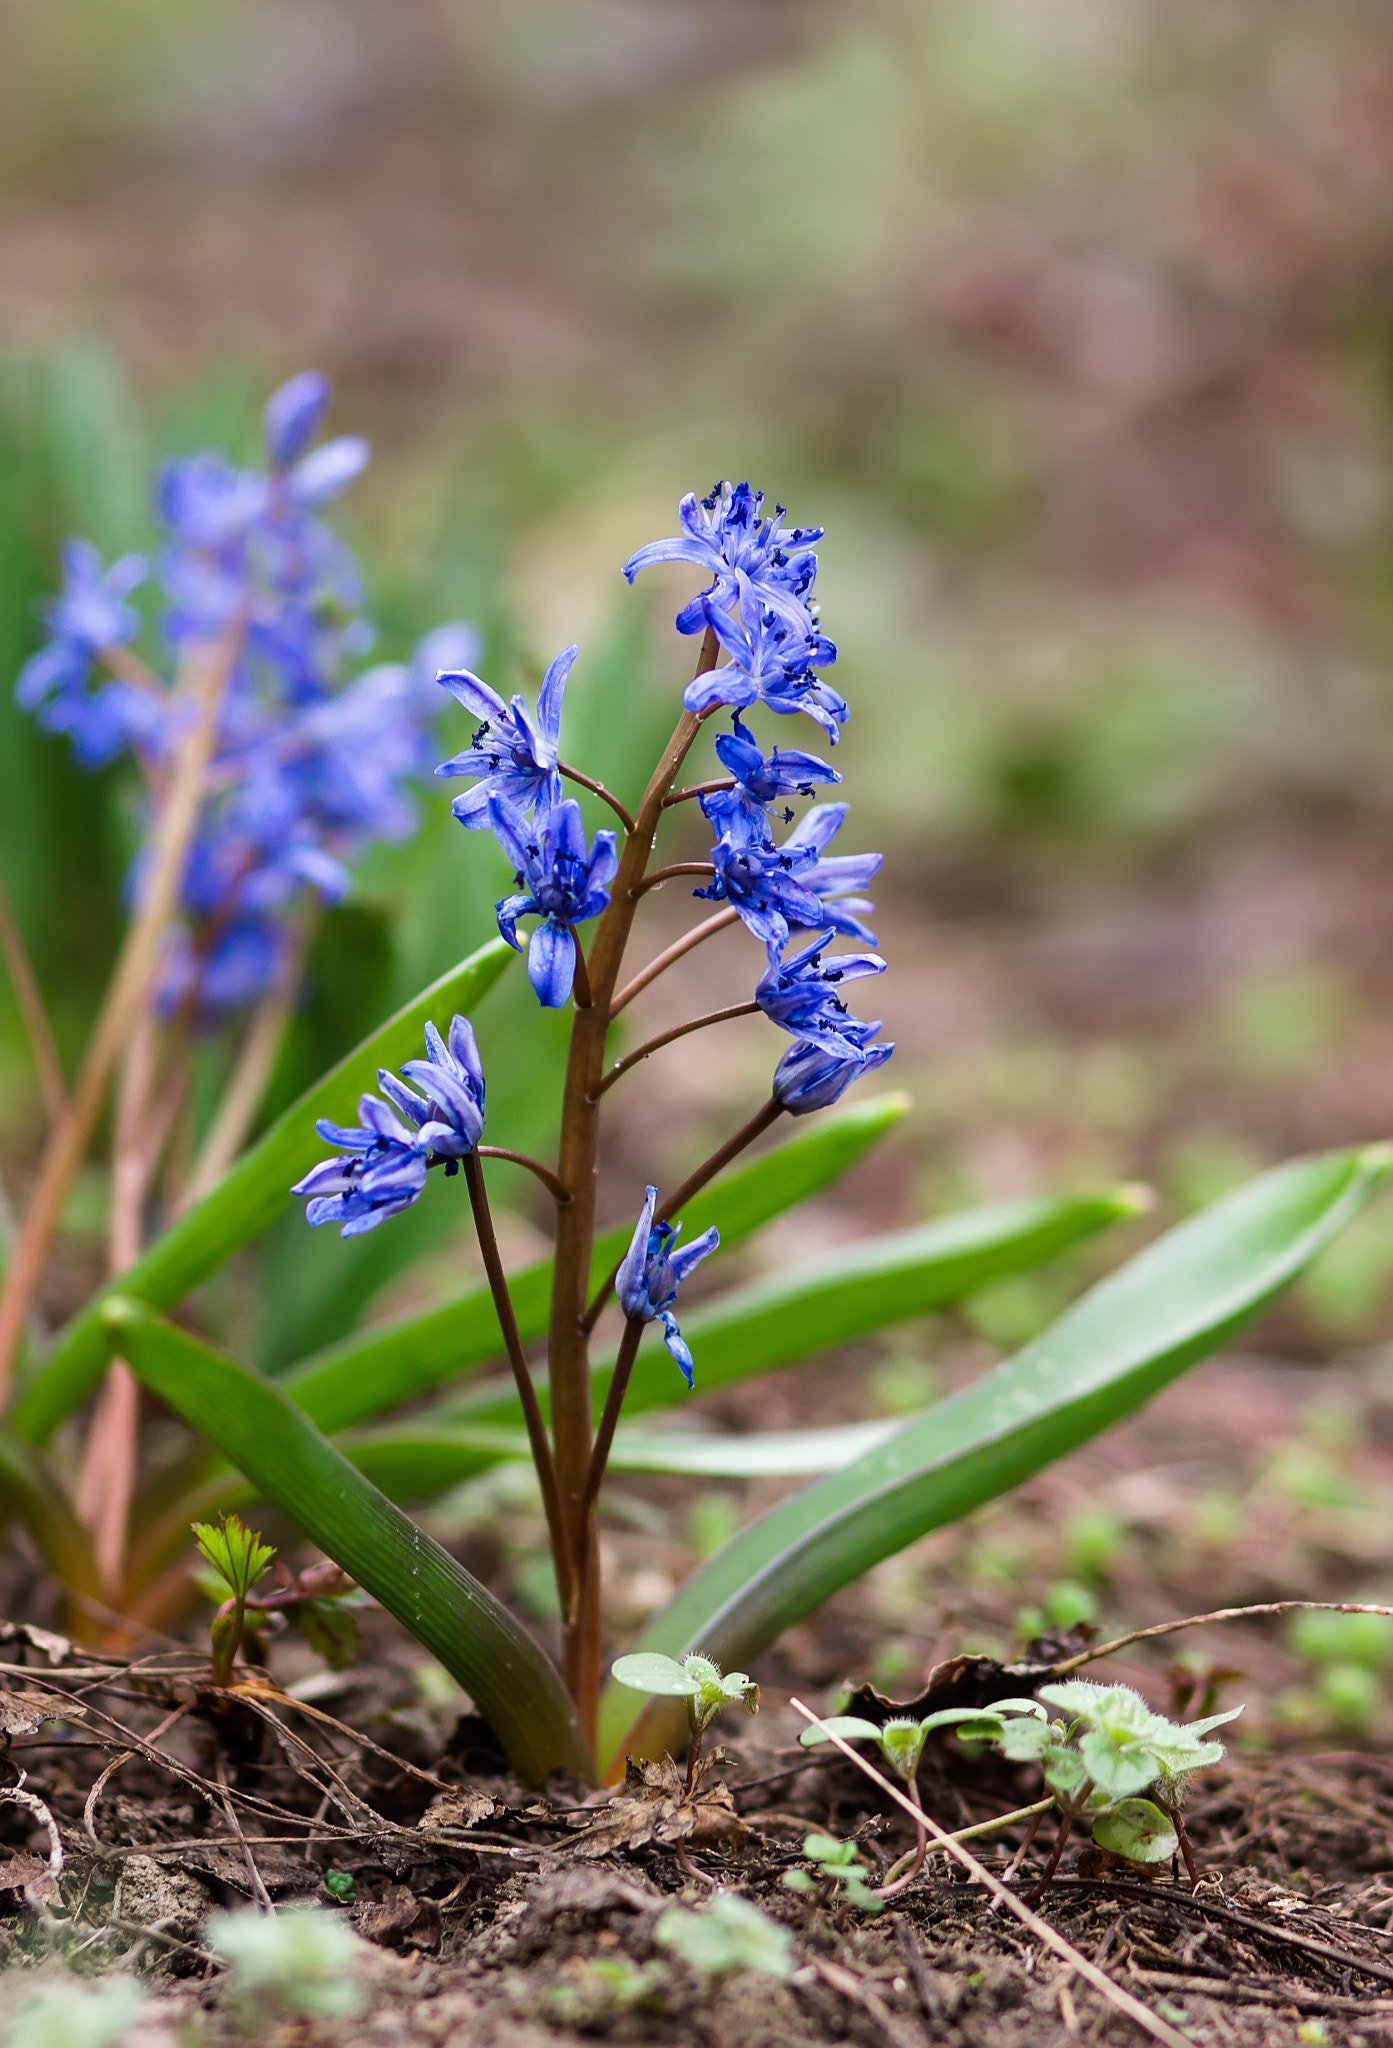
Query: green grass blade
351, 1382
1182, 1298
248, 1197
257, 1425
904, 1273
30, 1491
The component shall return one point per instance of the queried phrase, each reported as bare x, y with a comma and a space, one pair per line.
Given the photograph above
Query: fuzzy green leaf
1138, 1830
250, 1195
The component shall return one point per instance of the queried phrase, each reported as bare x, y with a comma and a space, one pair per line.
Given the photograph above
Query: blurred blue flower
92, 614
727, 536
560, 880
383, 1171
803, 996
771, 662
810, 1076
514, 753
449, 1116
652, 1272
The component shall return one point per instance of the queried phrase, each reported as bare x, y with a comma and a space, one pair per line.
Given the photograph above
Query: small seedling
1349, 1653
341, 1884
1109, 1748
67, 2014
238, 1559
839, 1864
901, 1744
595, 1991
298, 1961
730, 1935
699, 1682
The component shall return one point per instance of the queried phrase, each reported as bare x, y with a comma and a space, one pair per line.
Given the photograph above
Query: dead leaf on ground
461, 1808
56, 1648
976, 1681
652, 1806
21, 1872
24, 1713
401, 1921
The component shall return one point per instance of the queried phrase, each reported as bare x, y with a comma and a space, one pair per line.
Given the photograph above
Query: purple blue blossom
832, 878
513, 752
803, 996
449, 1114
760, 781
382, 1172
92, 615
772, 658
762, 885
652, 1272
727, 537
559, 880
811, 1076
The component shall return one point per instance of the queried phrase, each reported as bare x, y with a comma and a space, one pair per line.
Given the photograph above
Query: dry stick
1041, 1929
130, 983
89, 1811
662, 961
568, 1349
544, 1173
671, 1205
258, 1881
15, 1795
621, 1067
605, 795
561, 1540
32, 1013
1167, 1628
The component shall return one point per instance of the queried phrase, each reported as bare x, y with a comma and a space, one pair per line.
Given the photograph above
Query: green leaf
1138, 1830
353, 1381
1182, 1298
653, 1674
850, 1727
247, 1198
235, 1553
31, 1490
257, 1425
883, 1280
329, 1629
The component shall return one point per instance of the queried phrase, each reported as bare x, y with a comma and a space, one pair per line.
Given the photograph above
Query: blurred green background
1072, 323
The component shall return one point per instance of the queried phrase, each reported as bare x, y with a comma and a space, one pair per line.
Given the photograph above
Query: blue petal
551, 962
292, 414
676, 1344
328, 471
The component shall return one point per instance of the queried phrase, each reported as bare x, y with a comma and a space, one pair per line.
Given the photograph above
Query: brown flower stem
662, 961
562, 1550
544, 1174
568, 1347
614, 1401
621, 1067
673, 1204
679, 867
580, 982
33, 1015
207, 668
598, 788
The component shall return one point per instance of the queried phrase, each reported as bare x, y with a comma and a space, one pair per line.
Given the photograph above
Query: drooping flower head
727, 537
652, 1272
810, 1077
803, 996
559, 880
760, 780
513, 752
833, 877
449, 1114
382, 1172
771, 662
762, 885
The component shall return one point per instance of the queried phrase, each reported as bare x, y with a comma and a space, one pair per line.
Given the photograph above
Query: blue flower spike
810, 1076
771, 662
514, 753
652, 1272
383, 1171
727, 536
760, 780
559, 880
92, 614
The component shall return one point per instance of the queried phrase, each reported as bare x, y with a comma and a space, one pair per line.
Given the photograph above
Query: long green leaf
1182, 1298
257, 1425
351, 1382
248, 1197
881, 1280
31, 1491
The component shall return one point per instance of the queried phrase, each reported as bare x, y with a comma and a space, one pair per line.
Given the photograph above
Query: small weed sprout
238, 1560
301, 1961
315, 1599
840, 1865
599, 1988
1348, 1653
67, 2014
901, 1744
1107, 1750
697, 1680
731, 1935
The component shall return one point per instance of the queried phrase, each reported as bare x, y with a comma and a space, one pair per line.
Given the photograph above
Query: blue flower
92, 615
759, 882
727, 537
810, 1076
652, 1272
382, 1173
831, 879
449, 1116
515, 753
802, 996
561, 882
759, 782
771, 662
